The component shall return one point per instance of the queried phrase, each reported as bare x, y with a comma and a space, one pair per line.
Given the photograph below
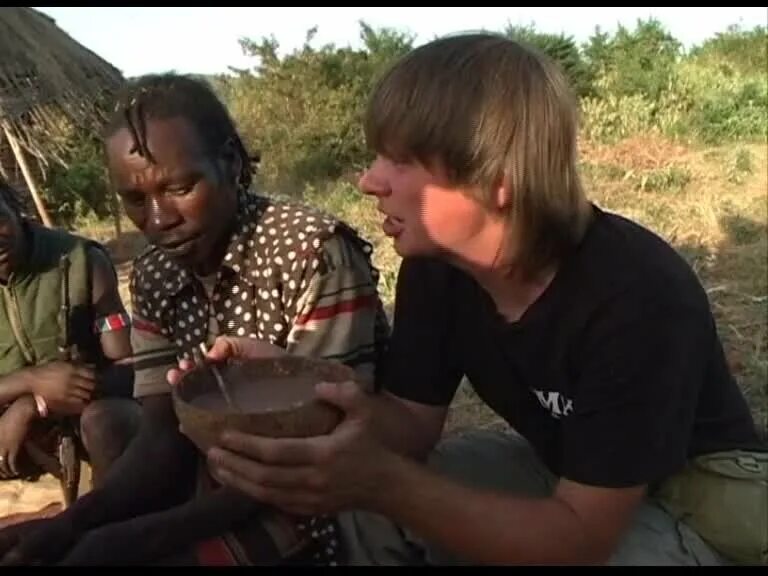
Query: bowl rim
273, 360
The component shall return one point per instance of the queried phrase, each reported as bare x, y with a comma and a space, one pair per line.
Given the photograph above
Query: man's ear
232, 160
503, 195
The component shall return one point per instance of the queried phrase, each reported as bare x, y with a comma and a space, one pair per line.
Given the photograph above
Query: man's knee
495, 460
481, 459
109, 424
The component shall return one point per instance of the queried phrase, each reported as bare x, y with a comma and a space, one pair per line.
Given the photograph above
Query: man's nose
372, 185
162, 214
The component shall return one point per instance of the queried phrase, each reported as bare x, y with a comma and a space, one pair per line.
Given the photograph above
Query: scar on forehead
149, 173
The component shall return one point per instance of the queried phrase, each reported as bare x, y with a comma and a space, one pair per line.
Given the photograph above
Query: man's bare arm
116, 343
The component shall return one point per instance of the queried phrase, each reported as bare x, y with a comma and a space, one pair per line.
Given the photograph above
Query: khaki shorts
505, 461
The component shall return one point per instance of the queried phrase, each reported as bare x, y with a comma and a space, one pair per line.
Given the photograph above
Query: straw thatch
44, 73
48, 81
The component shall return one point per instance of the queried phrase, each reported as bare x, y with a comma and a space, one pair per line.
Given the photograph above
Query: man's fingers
12, 457
226, 347
223, 348
173, 376
79, 395
186, 364
84, 383
85, 373
296, 502
8, 463
348, 396
5, 470
257, 492
291, 477
278, 451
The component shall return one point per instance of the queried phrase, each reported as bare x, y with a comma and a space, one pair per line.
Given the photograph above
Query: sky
205, 40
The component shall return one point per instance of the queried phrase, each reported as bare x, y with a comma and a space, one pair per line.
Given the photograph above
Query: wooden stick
18, 152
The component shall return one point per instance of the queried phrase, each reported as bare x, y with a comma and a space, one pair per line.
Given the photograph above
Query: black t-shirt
616, 374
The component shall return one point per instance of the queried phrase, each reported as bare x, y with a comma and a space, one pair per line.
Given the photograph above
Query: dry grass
711, 204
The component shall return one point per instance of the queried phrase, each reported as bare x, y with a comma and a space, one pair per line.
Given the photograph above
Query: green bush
738, 110
614, 117
736, 51
637, 62
78, 190
560, 48
304, 110
703, 100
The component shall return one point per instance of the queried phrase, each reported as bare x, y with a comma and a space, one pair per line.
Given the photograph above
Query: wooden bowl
271, 397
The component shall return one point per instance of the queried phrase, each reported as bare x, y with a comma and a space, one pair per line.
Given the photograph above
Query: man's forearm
401, 430
13, 386
480, 526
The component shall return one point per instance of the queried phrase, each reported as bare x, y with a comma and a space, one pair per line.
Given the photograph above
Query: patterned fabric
111, 323
291, 276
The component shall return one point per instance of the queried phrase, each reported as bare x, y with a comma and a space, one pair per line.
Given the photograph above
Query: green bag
724, 497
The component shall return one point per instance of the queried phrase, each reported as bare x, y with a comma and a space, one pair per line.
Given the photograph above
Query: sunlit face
183, 200
424, 213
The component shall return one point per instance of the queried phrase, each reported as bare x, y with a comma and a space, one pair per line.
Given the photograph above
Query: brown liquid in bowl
262, 395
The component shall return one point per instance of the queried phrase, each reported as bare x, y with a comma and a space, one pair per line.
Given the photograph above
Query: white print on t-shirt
557, 404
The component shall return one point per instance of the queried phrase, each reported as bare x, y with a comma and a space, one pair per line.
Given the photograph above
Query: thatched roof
45, 76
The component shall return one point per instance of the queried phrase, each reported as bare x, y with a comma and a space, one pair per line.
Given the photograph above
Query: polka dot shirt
272, 257
279, 255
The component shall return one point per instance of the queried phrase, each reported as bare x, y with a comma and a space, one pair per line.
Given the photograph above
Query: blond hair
490, 111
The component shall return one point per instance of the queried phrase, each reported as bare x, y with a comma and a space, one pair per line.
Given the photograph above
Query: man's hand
227, 347
311, 476
66, 387
15, 423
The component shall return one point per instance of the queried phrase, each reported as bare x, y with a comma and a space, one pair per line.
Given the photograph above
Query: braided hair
10, 197
170, 95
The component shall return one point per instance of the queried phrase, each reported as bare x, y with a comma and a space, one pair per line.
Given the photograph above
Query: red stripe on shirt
140, 324
117, 321
214, 552
325, 312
